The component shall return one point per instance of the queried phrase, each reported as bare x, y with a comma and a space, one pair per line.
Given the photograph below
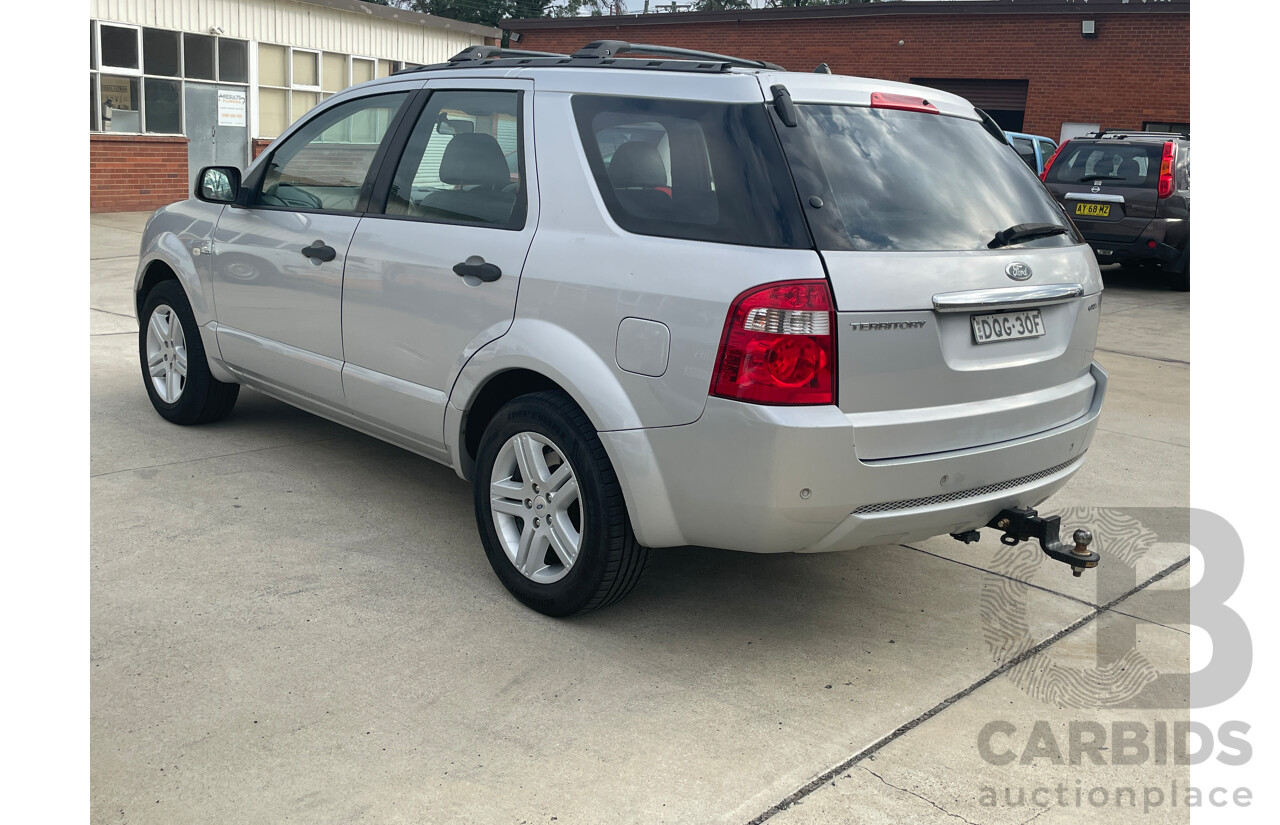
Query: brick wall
136, 173
1137, 69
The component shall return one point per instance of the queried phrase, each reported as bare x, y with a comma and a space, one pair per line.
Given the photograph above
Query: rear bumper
786, 479
1160, 242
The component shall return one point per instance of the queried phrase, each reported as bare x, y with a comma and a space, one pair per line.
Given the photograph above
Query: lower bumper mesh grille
960, 495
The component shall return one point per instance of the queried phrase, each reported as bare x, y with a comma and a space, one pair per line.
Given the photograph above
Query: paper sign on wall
231, 108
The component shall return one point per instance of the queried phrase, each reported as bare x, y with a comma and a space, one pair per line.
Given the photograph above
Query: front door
277, 263
216, 126
433, 278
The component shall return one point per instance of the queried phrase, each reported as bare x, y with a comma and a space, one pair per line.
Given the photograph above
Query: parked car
1035, 150
789, 312
1130, 194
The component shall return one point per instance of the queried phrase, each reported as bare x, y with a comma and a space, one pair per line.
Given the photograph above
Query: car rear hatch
1108, 188
967, 305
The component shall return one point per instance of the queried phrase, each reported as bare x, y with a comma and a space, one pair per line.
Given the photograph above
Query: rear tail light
905, 103
1049, 163
777, 346
1166, 171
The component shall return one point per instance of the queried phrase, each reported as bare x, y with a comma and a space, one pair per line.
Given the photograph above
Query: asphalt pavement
293, 622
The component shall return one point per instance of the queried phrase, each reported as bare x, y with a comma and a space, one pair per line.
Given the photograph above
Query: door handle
477, 268
319, 251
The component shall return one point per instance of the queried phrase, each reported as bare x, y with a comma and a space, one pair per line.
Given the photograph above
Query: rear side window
915, 181
690, 169
1115, 164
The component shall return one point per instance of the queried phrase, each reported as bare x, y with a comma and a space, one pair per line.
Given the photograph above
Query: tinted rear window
1114, 164
900, 180
694, 170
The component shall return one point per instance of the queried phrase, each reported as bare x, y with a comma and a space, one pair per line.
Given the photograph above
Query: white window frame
119, 70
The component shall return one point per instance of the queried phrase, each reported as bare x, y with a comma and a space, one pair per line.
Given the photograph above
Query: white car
715, 303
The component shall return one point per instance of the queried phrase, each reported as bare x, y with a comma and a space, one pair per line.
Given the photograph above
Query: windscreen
898, 180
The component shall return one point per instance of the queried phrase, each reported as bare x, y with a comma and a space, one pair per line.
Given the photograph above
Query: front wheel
174, 367
550, 510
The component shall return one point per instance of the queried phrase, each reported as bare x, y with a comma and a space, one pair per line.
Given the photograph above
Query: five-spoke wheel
174, 367
550, 510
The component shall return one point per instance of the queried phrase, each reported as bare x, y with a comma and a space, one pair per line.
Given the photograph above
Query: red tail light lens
1166, 171
777, 346
1049, 163
905, 103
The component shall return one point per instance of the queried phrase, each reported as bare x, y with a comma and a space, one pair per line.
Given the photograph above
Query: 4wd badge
1018, 271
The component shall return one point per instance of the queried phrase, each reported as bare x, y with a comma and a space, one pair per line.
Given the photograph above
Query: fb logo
1018, 271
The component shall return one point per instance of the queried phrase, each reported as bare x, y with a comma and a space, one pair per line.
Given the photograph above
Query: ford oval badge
1018, 271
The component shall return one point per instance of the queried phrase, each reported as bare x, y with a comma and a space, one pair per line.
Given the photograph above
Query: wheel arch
538, 355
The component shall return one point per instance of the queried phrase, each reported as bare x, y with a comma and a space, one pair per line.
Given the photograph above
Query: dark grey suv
1130, 194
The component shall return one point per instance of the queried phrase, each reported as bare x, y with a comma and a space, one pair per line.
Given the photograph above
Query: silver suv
646, 302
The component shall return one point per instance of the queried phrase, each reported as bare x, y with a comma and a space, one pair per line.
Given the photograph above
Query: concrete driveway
292, 622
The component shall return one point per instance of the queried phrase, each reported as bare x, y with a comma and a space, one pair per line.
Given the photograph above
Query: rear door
1108, 187
954, 329
433, 269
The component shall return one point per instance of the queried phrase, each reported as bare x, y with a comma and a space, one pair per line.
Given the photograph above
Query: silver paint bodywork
933, 432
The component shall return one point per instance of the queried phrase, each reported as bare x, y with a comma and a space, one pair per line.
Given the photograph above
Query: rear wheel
1180, 281
550, 510
174, 368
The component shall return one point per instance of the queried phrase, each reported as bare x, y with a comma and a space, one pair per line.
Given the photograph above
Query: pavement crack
209, 457
916, 795
1144, 438
1146, 357
1076, 599
109, 312
884, 741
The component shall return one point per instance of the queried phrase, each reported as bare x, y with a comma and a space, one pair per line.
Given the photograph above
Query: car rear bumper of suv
786, 479
1160, 242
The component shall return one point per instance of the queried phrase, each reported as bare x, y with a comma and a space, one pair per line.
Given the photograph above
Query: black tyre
175, 370
550, 511
1181, 281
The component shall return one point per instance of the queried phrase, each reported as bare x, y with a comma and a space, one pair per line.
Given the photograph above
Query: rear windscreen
889, 179
690, 169
1115, 164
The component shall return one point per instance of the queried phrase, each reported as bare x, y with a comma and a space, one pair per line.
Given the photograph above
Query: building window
292, 81
200, 63
119, 47
137, 75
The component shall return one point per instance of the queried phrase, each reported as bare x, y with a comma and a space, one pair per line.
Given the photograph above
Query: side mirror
218, 184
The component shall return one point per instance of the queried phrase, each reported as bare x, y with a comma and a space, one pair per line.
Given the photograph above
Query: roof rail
1124, 133
487, 52
609, 48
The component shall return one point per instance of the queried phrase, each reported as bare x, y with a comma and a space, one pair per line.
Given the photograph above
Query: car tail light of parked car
1165, 188
1049, 163
777, 346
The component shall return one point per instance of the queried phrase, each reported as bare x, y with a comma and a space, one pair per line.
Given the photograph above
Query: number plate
1094, 210
1007, 326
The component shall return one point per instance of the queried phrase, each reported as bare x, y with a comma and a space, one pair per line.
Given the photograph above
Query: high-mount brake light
905, 103
777, 347
1049, 163
1166, 170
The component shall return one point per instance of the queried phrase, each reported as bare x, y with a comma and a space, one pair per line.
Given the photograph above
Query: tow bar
1023, 524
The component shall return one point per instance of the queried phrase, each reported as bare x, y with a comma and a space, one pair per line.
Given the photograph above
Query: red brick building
1036, 65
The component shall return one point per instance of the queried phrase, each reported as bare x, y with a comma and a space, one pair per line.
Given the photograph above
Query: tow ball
1023, 524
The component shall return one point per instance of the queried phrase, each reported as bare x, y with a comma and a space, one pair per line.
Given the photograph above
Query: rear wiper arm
1101, 177
1026, 232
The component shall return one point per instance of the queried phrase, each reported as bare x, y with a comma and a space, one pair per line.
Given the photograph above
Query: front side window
324, 164
915, 181
690, 169
464, 161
